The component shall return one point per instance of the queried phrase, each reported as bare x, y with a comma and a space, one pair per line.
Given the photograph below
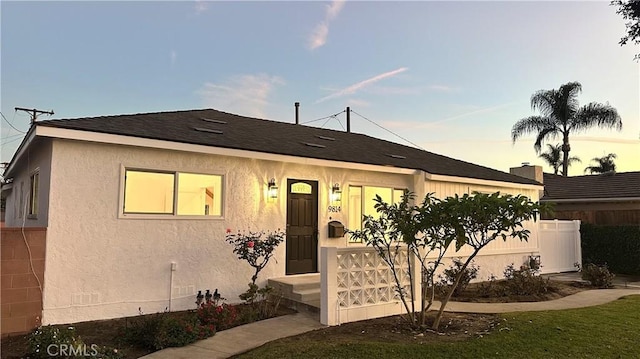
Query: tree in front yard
427, 231
418, 229
478, 220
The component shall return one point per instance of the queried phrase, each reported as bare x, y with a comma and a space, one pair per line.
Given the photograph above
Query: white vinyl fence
559, 243
356, 284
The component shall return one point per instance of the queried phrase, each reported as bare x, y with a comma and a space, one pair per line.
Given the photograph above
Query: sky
450, 77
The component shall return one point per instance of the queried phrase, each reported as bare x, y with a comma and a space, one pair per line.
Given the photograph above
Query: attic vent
397, 156
326, 138
314, 145
202, 129
215, 121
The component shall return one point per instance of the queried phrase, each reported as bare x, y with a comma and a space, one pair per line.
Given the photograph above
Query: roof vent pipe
297, 105
348, 120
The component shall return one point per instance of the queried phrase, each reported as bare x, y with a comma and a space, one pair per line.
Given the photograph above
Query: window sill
167, 217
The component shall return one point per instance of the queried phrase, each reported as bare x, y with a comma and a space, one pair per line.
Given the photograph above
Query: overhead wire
391, 132
323, 118
10, 124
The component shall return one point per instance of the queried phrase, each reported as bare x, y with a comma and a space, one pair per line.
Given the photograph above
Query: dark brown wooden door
302, 226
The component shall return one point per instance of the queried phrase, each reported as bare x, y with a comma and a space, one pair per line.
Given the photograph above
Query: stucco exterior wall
36, 158
100, 265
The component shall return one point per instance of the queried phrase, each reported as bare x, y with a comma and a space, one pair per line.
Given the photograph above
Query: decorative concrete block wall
21, 298
356, 284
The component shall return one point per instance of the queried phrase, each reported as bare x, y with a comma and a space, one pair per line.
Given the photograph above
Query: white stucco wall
36, 158
100, 265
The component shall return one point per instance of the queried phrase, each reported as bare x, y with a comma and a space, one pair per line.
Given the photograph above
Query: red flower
250, 244
228, 230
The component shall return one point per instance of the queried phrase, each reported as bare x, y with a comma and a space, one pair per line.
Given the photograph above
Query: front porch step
306, 295
301, 289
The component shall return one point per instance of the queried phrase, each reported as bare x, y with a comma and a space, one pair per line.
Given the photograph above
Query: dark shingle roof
609, 185
215, 128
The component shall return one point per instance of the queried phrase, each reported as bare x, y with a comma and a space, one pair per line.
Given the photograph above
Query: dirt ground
454, 327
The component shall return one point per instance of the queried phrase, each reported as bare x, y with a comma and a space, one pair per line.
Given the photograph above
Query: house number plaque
334, 209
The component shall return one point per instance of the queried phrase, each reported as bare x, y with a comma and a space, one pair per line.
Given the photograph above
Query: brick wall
21, 298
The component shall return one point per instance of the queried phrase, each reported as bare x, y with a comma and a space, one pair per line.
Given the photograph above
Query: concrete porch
300, 292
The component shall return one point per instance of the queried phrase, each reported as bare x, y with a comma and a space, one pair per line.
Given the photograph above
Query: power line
8, 142
391, 132
323, 118
10, 124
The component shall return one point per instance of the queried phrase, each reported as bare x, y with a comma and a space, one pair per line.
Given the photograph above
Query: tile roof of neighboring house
611, 185
215, 128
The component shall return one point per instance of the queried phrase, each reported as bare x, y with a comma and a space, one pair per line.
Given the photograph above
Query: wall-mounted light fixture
336, 193
272, 190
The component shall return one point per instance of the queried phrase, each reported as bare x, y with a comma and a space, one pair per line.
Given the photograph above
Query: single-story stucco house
136, 207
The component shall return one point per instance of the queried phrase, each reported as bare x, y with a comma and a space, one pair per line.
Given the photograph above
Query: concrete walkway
587, 298
246, 337
241, 339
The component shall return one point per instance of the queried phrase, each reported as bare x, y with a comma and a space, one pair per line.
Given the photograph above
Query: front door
302, 226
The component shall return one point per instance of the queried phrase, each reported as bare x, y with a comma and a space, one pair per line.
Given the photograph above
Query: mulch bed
101, 332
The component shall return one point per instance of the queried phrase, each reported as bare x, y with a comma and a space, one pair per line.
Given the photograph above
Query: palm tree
560, 114
553, 157
605, 164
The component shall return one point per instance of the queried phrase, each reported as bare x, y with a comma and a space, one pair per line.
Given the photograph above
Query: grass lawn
606, 331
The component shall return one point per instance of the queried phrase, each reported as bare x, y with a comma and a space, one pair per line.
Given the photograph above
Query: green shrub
524, 281
616, 246
164, 330
261, 303
449, 276
597, 276
52, 338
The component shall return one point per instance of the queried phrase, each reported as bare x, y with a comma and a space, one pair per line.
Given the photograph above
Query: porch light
336, 193
272, 189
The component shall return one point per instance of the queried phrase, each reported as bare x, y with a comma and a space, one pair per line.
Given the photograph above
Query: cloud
200, 7
362, 84
243, 94
442, 88
319, 35
622, 141
173, 56
358, 103
471, 113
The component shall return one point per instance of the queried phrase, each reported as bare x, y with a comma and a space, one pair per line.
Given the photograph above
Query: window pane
148, 192
199, 195
369, 197
355, 210
397, 195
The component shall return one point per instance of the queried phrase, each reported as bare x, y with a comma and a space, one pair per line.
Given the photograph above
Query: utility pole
34, 113
348, 119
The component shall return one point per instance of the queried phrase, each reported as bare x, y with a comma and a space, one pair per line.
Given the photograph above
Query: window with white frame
172, 193
362, 203
33, 194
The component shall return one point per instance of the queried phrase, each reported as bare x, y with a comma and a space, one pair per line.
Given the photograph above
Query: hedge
616, 246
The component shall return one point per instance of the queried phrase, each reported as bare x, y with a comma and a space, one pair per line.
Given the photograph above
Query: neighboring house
608, 199
136, 206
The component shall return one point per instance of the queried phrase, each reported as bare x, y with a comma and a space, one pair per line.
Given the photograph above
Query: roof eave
582, 200
24, 145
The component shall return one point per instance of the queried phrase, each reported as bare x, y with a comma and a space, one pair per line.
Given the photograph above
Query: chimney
528, 171
297, 105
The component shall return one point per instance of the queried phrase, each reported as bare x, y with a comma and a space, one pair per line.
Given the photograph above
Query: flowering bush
217, 317
255, 247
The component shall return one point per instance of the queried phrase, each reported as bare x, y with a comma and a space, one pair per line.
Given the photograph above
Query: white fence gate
559, 243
